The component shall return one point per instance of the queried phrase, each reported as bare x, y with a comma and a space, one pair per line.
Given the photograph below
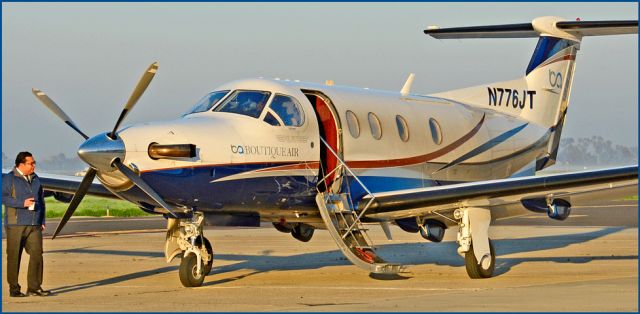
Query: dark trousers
28, 238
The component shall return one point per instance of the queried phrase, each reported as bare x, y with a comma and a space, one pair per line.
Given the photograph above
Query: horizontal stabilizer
599, 28
539, 26
524, 30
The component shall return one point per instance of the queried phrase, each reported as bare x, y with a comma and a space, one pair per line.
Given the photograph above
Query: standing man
23, 198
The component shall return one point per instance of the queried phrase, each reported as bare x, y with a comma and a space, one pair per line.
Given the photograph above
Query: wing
61, 184
506, 197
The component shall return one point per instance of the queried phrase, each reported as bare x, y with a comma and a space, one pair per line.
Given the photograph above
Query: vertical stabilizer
542, 95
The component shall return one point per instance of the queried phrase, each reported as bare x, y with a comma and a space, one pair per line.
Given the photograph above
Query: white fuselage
243, 161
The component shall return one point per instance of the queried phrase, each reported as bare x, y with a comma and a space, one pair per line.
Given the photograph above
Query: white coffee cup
33, 206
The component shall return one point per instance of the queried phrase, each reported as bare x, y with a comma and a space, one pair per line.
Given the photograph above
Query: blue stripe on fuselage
186, 185
486, 146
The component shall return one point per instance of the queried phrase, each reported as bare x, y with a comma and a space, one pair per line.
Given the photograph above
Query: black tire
302, 232
187, 272
476, 271
283, 227
207, 268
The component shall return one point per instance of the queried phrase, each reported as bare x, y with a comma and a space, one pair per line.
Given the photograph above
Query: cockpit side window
288, 110
270, 119
207, 102
244, 102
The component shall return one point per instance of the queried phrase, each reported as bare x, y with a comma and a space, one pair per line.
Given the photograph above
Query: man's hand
28, 202
42, 227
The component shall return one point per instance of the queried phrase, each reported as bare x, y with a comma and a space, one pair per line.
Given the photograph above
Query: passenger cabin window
436, 132
352, 122
287, 109
403, 128
374, 124
248, 103
207, 102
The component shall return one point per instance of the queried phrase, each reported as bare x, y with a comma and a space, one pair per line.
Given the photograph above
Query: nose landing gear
185, 236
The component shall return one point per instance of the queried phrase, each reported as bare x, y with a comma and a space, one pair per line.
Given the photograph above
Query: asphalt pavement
587, 263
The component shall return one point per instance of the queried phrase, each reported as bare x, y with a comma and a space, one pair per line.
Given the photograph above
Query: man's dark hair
22, 157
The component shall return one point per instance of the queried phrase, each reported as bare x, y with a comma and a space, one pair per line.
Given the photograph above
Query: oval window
354, 125
374, 124
436, 132
403, 128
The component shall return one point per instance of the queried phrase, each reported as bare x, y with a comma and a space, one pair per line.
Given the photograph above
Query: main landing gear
475, 245
185, 236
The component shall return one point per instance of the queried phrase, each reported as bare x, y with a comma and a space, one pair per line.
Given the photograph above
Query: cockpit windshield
207, 102
245, 102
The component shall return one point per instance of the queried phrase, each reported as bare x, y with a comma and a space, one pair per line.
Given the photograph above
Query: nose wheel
185, 238
193, 268
191, 274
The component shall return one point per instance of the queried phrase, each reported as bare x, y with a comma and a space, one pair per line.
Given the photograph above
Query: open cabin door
329, 128
341, 219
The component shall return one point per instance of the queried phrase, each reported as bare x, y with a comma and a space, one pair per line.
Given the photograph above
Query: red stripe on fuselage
417, 159
563, 58
355, 164
305, 165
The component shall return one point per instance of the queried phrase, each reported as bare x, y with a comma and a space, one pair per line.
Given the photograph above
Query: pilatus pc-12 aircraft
308, 156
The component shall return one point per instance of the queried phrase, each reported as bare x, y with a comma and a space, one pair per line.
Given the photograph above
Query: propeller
49, 103
75, 201
102, 152
135, 95
143, 186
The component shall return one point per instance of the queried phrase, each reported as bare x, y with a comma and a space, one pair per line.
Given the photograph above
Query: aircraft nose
100, 151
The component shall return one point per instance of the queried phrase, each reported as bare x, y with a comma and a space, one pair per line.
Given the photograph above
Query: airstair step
353, 230
338, 217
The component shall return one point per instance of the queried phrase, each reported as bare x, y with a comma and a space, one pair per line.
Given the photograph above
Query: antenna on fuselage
407, 85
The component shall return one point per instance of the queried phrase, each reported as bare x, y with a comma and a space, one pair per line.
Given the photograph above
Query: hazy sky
89, 56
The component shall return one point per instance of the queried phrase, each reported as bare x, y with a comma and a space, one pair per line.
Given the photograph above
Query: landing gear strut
185, 236
475, 245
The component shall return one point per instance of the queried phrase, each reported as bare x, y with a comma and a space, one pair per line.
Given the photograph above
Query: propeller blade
51, 105
137, 92
75, 201
143, 186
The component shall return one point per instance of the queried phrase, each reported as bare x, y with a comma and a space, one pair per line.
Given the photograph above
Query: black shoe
39, 292
17, 294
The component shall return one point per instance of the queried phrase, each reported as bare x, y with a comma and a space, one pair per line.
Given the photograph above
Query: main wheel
283, 227
188, 271
482, 270
302, 232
